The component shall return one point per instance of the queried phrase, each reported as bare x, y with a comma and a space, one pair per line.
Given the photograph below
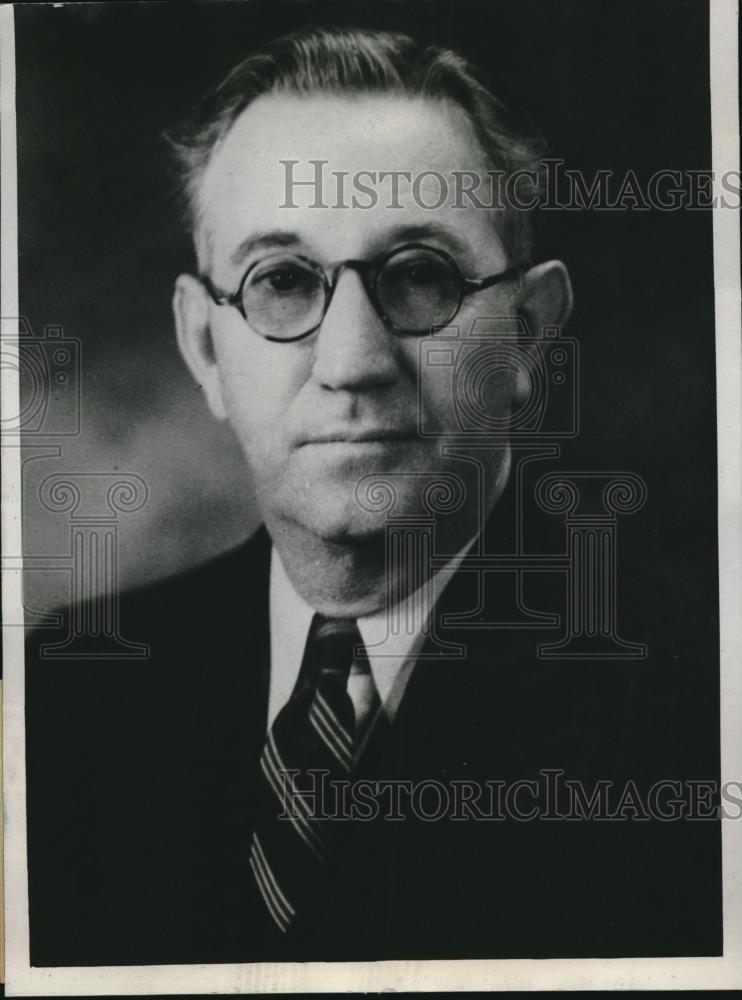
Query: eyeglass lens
284, 295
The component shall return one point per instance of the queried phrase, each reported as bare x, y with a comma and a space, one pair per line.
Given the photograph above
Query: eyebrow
419, 232
411, 233
258, 241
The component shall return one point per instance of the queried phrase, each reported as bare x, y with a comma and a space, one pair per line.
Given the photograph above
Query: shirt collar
391, 637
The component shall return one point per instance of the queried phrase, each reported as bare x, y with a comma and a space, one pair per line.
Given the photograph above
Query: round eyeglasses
285, 296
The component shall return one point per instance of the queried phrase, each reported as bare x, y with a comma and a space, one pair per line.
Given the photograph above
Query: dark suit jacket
141, 777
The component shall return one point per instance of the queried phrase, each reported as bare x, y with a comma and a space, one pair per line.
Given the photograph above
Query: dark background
613, 86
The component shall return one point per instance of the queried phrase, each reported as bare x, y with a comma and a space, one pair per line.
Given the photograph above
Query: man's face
317, 415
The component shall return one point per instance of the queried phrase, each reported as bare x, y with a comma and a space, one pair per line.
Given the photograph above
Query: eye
419, 272
285, 278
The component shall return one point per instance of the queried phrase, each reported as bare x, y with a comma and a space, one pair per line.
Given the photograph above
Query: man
264, 786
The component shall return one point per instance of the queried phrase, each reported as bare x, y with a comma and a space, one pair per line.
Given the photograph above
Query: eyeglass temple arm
220, 298
478, 284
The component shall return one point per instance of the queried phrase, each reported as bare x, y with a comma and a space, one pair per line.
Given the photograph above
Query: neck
352, 579
345, 579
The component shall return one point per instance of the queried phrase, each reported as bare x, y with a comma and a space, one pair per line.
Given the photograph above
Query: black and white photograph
371, 496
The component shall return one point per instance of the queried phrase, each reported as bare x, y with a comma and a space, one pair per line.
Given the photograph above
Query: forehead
249, 189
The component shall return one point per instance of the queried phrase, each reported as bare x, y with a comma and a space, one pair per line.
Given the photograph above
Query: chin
341, 526
335, 514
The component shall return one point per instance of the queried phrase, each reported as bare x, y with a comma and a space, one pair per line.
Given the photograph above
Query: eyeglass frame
368, 271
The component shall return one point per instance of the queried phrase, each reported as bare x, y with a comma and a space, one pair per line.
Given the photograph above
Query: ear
547, 295
546, 300
193, 330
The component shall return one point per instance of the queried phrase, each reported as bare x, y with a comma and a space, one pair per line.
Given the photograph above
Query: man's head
316, 413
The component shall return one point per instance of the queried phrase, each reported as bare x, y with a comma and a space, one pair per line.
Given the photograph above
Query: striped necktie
293, 840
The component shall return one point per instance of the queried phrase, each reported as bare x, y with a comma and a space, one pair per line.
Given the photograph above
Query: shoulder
152, 652
643, 693
234, 580
180, 665
230, 585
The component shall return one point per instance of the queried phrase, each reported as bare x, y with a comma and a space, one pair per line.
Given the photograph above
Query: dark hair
359, 60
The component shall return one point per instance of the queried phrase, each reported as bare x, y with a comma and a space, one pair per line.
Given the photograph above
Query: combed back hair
322, 60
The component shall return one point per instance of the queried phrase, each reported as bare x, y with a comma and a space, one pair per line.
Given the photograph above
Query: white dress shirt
391, 654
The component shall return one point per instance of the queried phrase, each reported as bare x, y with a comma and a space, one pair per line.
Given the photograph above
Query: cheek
259, 380
466, 385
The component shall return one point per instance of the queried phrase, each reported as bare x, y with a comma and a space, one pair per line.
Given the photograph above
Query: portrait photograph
371, 496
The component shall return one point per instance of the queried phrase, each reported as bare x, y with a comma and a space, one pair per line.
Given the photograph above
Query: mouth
371, 435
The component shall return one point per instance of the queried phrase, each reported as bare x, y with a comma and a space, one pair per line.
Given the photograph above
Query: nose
354, 350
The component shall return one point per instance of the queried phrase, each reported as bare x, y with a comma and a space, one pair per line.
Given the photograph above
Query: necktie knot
337, 643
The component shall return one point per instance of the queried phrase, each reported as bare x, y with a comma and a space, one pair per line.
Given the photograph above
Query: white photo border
552, 974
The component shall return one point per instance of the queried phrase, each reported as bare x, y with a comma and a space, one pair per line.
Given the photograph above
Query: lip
371, 435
